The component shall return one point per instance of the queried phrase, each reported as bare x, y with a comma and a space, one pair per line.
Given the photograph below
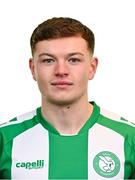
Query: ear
32, 68
93, 67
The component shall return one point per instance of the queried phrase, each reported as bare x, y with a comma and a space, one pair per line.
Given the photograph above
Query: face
62, 68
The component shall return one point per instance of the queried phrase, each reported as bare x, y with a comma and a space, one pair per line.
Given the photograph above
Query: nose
61, 69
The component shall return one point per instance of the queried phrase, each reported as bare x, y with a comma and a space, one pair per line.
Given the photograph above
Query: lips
61, 83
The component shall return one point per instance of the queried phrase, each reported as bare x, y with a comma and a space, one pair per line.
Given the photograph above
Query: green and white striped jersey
30, 148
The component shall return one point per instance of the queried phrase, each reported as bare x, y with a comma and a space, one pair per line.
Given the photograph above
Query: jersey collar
90, 122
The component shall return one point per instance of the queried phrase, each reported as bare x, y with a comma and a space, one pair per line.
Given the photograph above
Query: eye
48, 61
74, 60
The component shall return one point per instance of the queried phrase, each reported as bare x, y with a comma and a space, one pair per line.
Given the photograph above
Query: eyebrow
46, 54
51, 55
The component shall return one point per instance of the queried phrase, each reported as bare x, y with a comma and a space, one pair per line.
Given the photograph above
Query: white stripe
103, 139
21, 118
115, 117
30, 146
109, 114
69, 134
26, 116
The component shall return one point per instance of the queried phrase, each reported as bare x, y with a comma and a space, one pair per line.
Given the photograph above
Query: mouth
61, 84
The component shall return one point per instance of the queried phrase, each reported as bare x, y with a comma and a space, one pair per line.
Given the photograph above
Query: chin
62, 102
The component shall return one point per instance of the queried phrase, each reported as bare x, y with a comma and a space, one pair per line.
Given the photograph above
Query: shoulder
17, 125
19, 119
116, 123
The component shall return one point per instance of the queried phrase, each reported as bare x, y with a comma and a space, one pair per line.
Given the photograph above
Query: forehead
64, 45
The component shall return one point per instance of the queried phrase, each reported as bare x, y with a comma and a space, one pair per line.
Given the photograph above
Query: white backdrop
114, 26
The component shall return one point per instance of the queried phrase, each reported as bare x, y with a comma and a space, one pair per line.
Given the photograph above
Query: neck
67, 119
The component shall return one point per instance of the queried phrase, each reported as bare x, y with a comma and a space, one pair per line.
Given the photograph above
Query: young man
67, 137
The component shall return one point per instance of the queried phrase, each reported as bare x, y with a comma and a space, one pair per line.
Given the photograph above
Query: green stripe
129, 151
6, 161
68, 156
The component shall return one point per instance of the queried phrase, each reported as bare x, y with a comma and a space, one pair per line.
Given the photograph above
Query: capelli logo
38, 164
